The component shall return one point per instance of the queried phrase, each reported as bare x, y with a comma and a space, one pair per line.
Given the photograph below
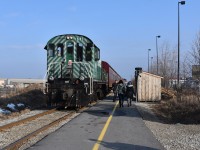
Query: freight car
75, 74
112, 75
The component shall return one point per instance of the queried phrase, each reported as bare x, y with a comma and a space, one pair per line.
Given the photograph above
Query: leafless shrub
186, 110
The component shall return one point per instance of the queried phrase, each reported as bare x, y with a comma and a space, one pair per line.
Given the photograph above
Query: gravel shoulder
171, 136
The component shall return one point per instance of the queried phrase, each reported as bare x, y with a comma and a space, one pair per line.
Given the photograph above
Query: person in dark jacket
121, 91
129, 93
114, 88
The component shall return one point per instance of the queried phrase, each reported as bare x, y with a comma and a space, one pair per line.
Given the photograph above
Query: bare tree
195, 53
167, 64
194, 57
186, 67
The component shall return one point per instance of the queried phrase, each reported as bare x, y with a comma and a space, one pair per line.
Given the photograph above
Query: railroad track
17, 144
24, 130
10, 125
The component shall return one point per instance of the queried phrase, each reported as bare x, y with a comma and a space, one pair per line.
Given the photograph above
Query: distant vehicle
75, 74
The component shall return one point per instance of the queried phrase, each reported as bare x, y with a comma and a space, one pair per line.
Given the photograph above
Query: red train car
112, 75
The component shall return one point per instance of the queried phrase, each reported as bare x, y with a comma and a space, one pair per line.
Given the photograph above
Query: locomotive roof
64, 35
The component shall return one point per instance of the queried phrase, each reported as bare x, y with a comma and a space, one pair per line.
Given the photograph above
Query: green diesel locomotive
75, 74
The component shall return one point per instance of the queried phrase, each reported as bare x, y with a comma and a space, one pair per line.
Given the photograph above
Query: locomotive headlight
81, 78
51, 78
69, 37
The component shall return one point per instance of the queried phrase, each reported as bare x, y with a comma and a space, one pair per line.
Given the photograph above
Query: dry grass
184, 110
31, 96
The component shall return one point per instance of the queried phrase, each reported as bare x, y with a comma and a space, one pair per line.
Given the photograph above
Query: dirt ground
31, 100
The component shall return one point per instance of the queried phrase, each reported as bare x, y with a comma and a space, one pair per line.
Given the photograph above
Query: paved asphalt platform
104, 126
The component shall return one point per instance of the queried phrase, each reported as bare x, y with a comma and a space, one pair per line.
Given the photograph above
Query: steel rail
10, 125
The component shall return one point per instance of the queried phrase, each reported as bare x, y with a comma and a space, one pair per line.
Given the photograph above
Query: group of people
123, 91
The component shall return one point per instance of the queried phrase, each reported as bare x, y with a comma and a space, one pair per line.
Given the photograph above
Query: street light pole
148, 58
158, 36
151, 65
178, 74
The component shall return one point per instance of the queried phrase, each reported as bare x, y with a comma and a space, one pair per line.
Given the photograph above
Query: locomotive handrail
89, 74
45, 76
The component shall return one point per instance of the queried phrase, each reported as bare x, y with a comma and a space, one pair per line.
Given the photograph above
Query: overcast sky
124, 30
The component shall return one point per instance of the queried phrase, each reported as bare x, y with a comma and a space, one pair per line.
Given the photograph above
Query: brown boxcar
111, 73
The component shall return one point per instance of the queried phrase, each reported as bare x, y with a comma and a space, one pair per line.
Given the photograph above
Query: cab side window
60, 48
96, 54
51, 50
88, 52
79, 56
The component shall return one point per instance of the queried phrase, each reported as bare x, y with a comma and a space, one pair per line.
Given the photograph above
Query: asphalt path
104, 126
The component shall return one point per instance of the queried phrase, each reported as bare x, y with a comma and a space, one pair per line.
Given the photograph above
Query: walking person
121, 92
114, 88
129, 93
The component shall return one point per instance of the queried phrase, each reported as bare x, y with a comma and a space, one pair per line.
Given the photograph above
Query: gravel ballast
171, 136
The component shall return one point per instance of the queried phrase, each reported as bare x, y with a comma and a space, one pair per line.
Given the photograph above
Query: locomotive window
60, 49
79, 56
51, 50
70, 47
97, 55
88, 53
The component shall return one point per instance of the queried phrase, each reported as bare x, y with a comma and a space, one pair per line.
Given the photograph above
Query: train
75, 74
